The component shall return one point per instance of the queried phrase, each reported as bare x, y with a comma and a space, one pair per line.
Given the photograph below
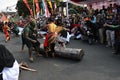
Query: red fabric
26, 3
46, 41
6, 34
20, 24
37, 5
75, 25
47, 37
5, 30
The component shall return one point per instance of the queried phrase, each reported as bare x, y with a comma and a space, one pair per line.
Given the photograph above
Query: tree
22, 9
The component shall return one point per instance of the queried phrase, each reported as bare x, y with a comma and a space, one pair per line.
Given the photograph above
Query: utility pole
34, 15
33, 9
67, 9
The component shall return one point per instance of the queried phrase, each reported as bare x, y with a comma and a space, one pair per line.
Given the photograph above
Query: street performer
49, 43
6, 30
29, 38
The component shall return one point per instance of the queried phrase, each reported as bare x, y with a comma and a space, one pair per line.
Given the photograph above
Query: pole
67, 9
33, 9
34, 15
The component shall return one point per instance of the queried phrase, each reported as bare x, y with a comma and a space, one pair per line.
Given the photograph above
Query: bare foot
31, 59
53, 55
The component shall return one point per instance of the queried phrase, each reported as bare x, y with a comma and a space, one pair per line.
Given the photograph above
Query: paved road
98, 63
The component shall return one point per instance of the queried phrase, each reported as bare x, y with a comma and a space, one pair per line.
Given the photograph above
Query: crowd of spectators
103, 26
95, 26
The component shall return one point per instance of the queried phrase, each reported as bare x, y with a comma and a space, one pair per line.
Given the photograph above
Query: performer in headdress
9, 67
6, 30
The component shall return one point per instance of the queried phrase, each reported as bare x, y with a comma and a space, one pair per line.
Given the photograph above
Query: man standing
27, 38
49, 43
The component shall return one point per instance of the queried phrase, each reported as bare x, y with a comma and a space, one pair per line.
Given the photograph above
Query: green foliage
22, 9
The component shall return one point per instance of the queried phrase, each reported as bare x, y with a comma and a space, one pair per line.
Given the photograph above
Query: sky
7, 3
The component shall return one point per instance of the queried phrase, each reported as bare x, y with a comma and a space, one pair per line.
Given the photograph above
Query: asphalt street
98, 63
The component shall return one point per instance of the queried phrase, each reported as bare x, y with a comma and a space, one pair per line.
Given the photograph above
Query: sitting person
63, 36
9, 67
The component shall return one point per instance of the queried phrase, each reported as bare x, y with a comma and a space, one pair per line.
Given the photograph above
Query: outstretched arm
112, 26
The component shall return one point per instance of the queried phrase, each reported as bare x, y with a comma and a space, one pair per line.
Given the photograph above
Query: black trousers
1, 78
117, 47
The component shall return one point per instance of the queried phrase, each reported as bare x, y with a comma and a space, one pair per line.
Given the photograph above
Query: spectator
9, 67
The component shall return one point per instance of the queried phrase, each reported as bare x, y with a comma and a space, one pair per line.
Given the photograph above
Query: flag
47, 13
37, 6
50, 4
27, 5
42, 6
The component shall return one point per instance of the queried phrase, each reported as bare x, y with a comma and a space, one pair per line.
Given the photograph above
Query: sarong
49, 42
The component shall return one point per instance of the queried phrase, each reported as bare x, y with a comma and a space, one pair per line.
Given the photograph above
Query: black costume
6, 59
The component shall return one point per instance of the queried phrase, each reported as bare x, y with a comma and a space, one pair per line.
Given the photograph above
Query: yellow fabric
51, 28
50, 4
58, 29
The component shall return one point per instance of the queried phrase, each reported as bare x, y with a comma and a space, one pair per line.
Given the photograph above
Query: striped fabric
47, 13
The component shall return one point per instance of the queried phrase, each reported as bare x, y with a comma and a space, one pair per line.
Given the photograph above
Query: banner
37, 6
47, 13
50, 4
27, 5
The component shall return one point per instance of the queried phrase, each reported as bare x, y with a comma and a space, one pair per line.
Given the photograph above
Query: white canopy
8, 5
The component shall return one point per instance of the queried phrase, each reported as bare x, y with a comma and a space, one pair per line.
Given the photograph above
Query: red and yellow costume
49, 42
5, 30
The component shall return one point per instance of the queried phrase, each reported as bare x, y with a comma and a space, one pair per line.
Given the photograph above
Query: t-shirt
27, 29
51, 27
58, 29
